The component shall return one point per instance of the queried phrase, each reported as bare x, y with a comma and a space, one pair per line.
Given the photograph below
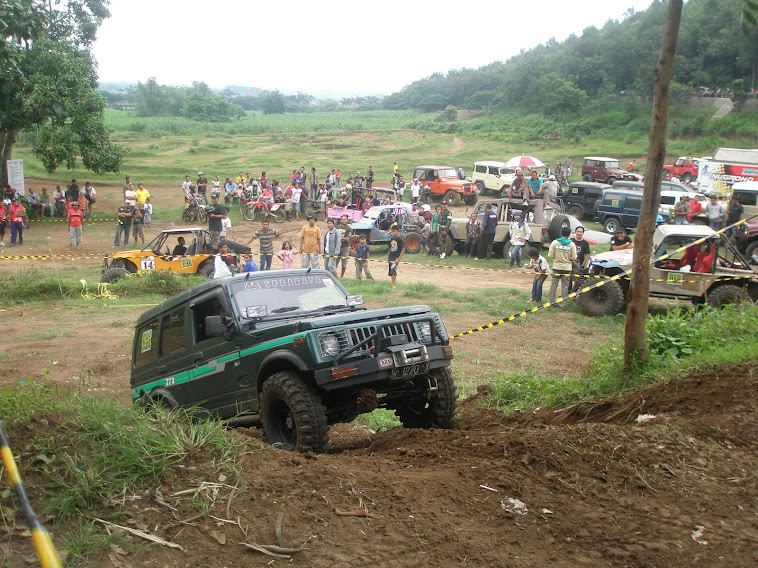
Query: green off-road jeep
294, 352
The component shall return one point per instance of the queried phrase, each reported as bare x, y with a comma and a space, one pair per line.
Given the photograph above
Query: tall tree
635, 340
49, 85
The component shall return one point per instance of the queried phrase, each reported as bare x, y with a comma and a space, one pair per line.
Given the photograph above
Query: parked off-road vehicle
443, 181
545, 226
375, 225
492, 176
158, 255
714, 271
293, 352
601, 169
685, 168
579, 198
747, 241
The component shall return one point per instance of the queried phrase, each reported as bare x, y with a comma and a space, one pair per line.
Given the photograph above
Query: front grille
358, 334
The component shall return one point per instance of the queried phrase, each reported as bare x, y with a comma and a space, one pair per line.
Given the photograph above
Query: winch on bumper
387, 357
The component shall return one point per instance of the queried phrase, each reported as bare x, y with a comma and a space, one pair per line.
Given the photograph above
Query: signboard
718, 177
16, 175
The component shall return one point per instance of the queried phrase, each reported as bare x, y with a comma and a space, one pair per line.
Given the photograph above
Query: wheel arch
282, 360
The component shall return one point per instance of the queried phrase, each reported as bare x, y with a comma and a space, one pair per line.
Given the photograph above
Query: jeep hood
359, 316
621, 258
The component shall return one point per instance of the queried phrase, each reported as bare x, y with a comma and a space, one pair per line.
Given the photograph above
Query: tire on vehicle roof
727, 294
605, 300
235, 247
558, 222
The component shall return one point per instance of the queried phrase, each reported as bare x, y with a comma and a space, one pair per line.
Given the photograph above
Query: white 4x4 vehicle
713, 271
493, 176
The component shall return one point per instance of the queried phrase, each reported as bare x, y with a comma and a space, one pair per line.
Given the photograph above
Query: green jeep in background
294, 352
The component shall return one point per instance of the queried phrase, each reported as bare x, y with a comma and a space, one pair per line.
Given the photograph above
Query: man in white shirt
415, 190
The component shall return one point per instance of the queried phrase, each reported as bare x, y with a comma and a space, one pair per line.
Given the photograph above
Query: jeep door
630, 211
667, 278
219, 381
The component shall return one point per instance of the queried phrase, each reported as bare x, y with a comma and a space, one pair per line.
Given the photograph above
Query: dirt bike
252, 209
195, 209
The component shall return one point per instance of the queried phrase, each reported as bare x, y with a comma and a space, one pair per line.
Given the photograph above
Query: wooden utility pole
635, 340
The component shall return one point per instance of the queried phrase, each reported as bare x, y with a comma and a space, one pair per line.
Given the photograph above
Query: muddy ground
586, 485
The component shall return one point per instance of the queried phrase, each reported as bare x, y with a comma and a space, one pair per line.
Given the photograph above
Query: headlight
330, 345
426, 330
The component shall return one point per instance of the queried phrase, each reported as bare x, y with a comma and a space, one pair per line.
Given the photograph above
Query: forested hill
620, 57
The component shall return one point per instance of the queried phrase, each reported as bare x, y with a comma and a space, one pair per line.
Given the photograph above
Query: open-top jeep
714, 271
375, 226
158, 255
294, 352
443, 181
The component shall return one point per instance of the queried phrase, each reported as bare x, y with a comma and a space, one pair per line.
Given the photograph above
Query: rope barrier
42, 542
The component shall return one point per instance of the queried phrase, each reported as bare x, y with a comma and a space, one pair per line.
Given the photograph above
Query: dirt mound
588, 485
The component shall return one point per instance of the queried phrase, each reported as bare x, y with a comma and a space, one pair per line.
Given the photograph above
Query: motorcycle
252, 208
195, 209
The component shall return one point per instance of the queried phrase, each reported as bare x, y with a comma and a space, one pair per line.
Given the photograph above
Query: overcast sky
330, 48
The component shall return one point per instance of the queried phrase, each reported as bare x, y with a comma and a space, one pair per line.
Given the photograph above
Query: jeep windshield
288, 294
447, 173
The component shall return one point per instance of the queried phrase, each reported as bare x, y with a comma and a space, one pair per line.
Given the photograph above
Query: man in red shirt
75, 216
696, 207
17, 213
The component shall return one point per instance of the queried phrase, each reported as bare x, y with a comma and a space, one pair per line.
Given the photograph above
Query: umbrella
524, 162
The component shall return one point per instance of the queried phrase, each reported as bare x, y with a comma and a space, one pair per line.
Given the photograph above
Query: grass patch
379, 419
723, 336
165, 284
101, 448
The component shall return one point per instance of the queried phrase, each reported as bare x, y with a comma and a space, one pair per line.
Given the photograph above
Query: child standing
541, 268
148, 212
286, 255
361, 260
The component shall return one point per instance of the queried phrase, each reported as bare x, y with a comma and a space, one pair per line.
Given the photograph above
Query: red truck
685, 168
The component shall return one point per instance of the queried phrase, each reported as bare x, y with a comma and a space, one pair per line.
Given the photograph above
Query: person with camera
124, 223
216, 213
138, 227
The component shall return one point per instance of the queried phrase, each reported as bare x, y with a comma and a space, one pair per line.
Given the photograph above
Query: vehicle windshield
448, 173
288, 294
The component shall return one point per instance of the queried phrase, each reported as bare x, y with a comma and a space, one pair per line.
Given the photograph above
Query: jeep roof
697, 231
436, 168
491, 163
601, 159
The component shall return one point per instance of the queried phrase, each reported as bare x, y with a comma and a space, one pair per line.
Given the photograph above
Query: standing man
346, 233
17, 213
314, 183
331, 247
715, 214
75, 216
310, 243
681, 208
128, 182
266, 236
563, 252
359, 180
369, 178
216, 214
444, 220
473, 234
567, 167
202, 185
295, 195
395, 253
489, 224
186, 188
124, 223
415, 190
733, 213
583, 253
